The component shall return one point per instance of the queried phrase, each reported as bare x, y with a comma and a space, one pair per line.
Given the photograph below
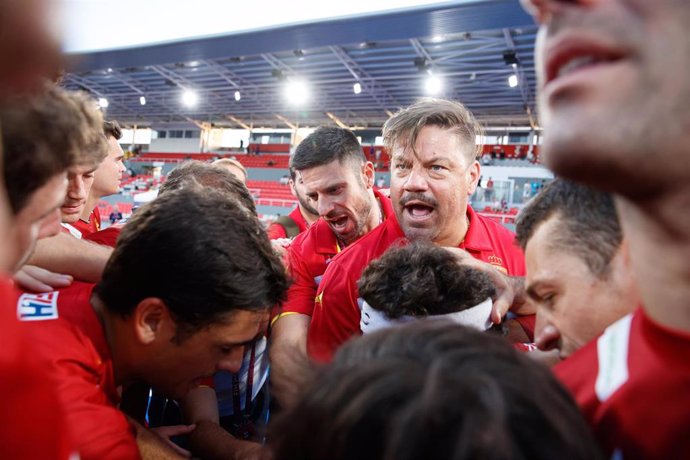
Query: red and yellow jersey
92, 226
336, 313
308, 256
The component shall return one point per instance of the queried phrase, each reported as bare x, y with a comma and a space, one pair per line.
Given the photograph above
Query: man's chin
69, 218
416, 232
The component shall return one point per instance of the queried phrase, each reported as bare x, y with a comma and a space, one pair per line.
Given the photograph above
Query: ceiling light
103, 102
238, 96
513, 81
433, 85
142, 100
357, 88
190, 98
296, 92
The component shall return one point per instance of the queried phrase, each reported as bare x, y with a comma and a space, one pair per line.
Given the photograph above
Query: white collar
72, 229
477, 317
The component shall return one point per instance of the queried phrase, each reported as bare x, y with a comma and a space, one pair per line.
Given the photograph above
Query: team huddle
369, 323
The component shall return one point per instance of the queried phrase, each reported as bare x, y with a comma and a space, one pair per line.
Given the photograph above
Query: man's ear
151, 320
369, 173
472, 177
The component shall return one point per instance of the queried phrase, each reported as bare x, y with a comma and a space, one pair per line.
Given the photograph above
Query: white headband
477, 317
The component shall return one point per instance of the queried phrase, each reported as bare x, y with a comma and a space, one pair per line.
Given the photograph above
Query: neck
375, 217
457, 237
122, 373
308, 217
659, 237
91, 203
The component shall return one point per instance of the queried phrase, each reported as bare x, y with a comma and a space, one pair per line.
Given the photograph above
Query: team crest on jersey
497, 262
37, 307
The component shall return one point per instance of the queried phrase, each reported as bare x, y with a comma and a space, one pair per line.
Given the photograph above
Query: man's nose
547, 338
232, 362
324, 206
415, 181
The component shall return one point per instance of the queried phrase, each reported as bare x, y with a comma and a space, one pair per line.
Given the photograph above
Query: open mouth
418, 211
338, 223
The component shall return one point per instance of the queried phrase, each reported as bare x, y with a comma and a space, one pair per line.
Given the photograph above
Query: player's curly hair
422, 279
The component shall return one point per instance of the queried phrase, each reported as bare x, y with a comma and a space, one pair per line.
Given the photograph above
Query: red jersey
34, 424
92, 226
64, 326
337, 306
106, 237
308, 256
633, 386
276, 231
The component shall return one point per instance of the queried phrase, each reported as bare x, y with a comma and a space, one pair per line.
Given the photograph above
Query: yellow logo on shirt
497, 262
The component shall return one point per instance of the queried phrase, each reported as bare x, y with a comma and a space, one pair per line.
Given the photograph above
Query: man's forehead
241, 324
83, 168
333, 172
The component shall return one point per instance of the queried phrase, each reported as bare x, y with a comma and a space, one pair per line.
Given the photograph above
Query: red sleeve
276, 231
336, 314
302, 292
107, 237
527, 324
101, 431
33, 421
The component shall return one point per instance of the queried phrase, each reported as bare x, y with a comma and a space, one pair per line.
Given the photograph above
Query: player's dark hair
198, 250
434, 391
325, 145
587, 227
422, 279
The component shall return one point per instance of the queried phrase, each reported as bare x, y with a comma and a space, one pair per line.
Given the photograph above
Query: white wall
175, 145
508, 172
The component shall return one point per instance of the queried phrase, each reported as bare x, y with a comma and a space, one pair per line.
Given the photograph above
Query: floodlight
296, 92
433, 85
190, 98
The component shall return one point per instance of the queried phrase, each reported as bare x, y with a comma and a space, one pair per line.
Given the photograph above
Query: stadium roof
473, 47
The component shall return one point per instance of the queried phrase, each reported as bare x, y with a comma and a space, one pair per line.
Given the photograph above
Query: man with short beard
434, 171
331, 167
